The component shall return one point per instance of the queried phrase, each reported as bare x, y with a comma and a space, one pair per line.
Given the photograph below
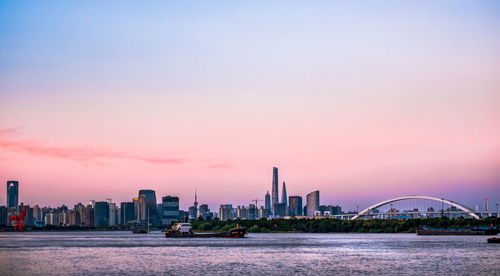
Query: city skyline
362, 104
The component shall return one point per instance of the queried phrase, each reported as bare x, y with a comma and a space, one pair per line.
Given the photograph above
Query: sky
362, 100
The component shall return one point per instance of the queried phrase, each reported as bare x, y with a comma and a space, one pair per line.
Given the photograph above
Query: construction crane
256, 202
19, 220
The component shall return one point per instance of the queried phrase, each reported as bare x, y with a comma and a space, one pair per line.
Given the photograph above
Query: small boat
140, 231
425, 230
140, 228
183, 230
494, 240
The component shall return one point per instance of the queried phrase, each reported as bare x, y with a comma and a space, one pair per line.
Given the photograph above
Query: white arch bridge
465, 209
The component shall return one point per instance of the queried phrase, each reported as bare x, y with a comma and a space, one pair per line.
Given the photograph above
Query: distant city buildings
267, 201
12, 194
170, 212
283, 195
275, 198
295, 206
312, 203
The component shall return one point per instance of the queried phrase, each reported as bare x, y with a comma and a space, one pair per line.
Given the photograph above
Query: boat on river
494, 240
183, 230
425, 230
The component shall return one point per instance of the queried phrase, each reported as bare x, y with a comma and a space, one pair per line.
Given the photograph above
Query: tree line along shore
304, 225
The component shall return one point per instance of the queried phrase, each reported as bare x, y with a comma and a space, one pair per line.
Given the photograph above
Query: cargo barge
183, 230
425, 230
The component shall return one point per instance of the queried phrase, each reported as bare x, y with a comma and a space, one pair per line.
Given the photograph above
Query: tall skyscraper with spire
283, 195
275, 197
268, 201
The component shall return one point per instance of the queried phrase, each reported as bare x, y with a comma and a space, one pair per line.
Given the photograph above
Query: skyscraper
101, 214
149, 205
170, 209
275, 197
126, 212
295, 207
312, 203
283, 195
12, 194
268, 201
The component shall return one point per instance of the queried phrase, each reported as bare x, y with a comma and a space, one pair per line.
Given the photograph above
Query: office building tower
148, 205
192, 212
241, 212
283, 194
226, 212
267, 201
3, 215
12, 194
170, 209
205, 212
127, 214
88, 216
279, 210
101, 214
295, 206
112, 217
253, 212
79, 214
312, 203
264, 212
135, 200
37, 214
183, 215
274, 191
332, 210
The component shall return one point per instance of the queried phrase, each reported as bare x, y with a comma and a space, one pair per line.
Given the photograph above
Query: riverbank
341, 226
302, 225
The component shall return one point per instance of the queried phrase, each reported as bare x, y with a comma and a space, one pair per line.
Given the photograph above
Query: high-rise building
113, 214
126, 212
241, 212
332, 210
279, 210
37, 214
253, 212
226, 212
275, 198
267, 201
101, 214
148, 205
264, 212
170, 209
79, 214
88, 216
205, 211
312, 203
3, 215
192, 212
283, 195
295, 206
12, 194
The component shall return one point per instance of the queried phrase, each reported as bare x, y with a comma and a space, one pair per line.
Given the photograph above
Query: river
120, 252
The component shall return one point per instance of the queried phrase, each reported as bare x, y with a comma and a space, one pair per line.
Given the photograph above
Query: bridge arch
451, 203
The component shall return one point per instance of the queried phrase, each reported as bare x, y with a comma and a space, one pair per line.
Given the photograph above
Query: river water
120, 252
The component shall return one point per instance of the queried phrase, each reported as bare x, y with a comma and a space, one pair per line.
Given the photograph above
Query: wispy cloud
84, 154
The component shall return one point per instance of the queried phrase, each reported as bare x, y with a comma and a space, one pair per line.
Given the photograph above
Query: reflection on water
55, 253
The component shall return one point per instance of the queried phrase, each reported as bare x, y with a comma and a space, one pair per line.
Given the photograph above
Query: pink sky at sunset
358, 104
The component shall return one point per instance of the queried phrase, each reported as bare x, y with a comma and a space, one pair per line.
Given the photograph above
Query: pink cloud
38, 148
